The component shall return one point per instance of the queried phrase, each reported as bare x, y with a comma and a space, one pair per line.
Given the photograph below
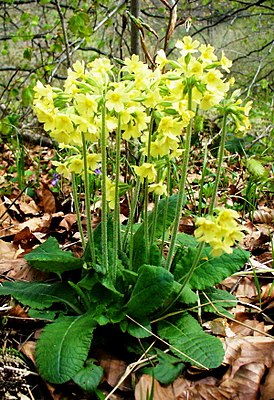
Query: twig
59, 10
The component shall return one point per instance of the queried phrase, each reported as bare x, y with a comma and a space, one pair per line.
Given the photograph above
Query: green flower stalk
181, 192
104, 218
116, 218
87, 201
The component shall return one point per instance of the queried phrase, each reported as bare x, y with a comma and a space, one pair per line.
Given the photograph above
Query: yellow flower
247, 108
147, 170
226, 218
219, 232
141, 119
171, 125
219, 247
78, 70
134, 65
76, 165
44, 92
161, 59
45, 115
207, 53
61, 136
63, 122
100, 67
110, 193
156, 149
168, 142
93, 160
207, 230
184, 113
225, 62
131, 131
116, 99
176, 153
85, 104
213, 79
187, 45
233, 235
61, 169
158, 188
195, 68
210, 100
152, 98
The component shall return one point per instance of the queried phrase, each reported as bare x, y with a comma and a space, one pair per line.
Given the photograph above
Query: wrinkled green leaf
136, 330
211, 270
48, 257
39, 295
187, 336
89, 377
63, 347
152, 288
220, 299
168, 369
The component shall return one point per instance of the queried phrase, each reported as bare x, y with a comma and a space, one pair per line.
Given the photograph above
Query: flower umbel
220, 231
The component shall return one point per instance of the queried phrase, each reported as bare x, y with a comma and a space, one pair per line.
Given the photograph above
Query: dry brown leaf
18, 311
114, 369
7, 250
28, 206
246, 290
264, 215
37, 223
249, 329
245, 383
28, 349
68, 221
268, 386
267, 291
20, 270
147, 385
218, 326
23, 235
247, 350
202, 389
47, 200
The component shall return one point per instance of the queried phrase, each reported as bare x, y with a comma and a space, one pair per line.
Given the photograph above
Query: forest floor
27, 220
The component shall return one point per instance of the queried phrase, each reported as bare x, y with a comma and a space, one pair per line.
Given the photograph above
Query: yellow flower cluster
151, 107
220, 231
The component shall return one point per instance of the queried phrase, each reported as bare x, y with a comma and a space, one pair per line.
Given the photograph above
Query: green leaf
63, 347
187, 336
136, 330
89, 377
186, 240
42, 314
220, 299
153, 286
48, 257
161, 225
168, 369
27, 96
187, 296
211, 270
256, 168
80, 24
39, 295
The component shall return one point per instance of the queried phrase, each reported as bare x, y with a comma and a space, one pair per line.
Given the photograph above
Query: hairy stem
182, 184
104, 218
87, 201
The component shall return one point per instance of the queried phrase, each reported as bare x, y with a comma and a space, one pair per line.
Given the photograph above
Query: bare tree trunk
135, 38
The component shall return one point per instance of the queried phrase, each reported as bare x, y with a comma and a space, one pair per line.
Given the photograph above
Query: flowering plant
127, 128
